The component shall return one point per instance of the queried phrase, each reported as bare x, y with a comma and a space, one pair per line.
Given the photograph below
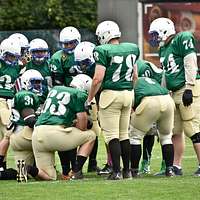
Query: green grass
97, 188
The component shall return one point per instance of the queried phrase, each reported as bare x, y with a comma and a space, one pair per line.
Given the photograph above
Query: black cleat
21, 171
93, 169
177, 171
106, 170
126, 174
135, 173
169, 172
115, 176
77, 175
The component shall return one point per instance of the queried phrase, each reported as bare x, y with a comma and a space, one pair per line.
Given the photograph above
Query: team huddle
62, 103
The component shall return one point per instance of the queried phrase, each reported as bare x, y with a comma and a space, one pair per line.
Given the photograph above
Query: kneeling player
61, 126
23, 118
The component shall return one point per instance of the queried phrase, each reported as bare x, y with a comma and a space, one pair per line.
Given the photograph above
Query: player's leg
109, 113
165, 126
124, 135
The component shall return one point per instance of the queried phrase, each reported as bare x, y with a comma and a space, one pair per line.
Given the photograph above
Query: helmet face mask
31, 80
10, 51
68, 47
85, 64
83, 55
160, 30
39, 51
106, 31
69, 38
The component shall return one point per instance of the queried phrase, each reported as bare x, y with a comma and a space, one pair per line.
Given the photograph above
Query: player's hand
88, 107
187, 97
89, 123
15, 116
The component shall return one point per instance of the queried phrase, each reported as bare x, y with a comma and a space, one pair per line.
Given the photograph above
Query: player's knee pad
166, 139
195, 138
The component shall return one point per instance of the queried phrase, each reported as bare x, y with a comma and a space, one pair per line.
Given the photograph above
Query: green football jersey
45, 71
118, 61
8, 76
61, 106
61, 63
148, 69
171, 58
25, 99
145, 86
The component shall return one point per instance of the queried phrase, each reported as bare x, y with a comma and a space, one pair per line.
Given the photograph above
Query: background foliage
47, 14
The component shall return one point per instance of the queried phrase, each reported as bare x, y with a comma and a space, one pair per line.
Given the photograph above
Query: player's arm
190, 65
97, 81
29, 116
81, 121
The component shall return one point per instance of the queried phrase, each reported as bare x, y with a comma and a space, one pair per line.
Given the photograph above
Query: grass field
94, 187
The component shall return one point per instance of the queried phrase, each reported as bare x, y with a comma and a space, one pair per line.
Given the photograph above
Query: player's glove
187, 97
14, 118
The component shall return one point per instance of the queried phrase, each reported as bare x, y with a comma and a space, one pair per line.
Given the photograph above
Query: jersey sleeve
186, 43
99, 56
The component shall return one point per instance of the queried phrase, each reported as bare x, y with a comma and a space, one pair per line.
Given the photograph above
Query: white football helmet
69, 39
160, 29
31, 80
10, 51
22, 39
106, 31
24, 43
82, 82
39, 50
83, 54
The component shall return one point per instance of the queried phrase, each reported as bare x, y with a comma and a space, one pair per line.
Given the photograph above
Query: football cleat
126, 174
115, 176
169, 172
77, 175
21, 171
93, 169
135, 173
177, 171
197, 173
106, 170
145, 167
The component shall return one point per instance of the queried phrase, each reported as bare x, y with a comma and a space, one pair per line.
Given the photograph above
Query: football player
24, 43
152, 104
9, 72
114, 75
62, 126
83, 55
83, 82
148, 69
39, 52
23, 118
62, 62
63, 68
179, 61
